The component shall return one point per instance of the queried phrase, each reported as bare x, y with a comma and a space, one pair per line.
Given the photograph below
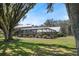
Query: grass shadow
19, 48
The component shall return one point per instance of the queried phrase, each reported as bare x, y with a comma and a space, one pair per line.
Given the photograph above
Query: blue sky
38, 14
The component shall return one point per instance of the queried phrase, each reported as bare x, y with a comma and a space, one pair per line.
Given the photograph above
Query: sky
38, 15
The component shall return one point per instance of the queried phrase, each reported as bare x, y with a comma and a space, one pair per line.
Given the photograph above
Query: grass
64, 46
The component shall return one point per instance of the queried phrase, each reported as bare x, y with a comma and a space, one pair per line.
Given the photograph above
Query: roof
25, 27
22, 26
56, 28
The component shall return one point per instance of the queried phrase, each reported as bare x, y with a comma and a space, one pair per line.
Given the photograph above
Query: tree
73, 12
49, 23
10, 15
65, 27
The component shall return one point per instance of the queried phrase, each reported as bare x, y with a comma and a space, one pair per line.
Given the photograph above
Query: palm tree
10, 15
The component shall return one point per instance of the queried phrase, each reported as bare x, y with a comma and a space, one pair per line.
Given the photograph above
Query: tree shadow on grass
20, 48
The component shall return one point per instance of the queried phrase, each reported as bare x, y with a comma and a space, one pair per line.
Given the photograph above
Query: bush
44, 36
61, 34
38, 36
30, 36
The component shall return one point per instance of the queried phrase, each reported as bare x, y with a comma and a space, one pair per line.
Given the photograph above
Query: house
24, 30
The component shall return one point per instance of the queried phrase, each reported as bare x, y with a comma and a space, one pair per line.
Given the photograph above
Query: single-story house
30, 29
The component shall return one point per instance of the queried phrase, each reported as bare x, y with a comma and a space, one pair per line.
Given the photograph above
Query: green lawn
39, 47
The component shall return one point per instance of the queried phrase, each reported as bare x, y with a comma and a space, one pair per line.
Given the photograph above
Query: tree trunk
8, 36
73, 12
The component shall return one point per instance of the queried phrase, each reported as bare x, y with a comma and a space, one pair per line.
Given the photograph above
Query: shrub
38, 35
61, 34
30, 36
44, 36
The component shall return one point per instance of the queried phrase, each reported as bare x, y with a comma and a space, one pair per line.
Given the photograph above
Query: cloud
66, 17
